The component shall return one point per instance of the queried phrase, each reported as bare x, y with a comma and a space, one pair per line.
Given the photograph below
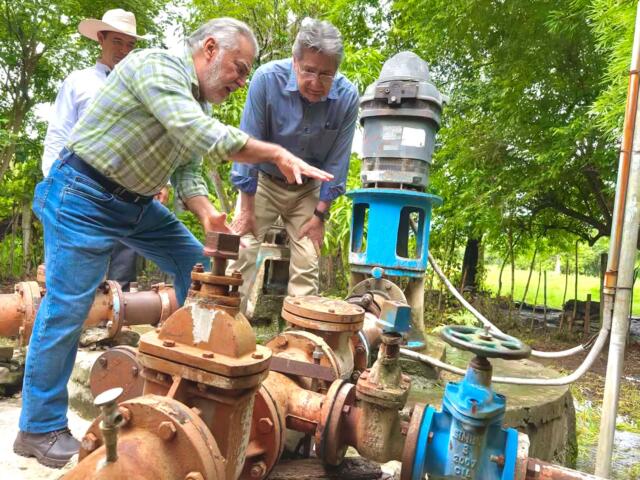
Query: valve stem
111, 421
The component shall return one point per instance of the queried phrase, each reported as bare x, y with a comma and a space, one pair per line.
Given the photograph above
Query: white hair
225, 31
318, 35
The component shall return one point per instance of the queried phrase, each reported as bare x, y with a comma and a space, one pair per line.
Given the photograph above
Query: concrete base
80, 396
546, 414
16, 467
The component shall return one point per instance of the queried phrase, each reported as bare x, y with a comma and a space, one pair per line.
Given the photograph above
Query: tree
523, 132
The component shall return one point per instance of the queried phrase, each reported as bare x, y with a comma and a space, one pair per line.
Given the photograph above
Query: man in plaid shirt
150, 123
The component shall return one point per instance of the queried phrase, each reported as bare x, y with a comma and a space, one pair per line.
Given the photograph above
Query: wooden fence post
587, 316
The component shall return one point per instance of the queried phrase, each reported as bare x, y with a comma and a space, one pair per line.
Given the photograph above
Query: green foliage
523, 153
337, 234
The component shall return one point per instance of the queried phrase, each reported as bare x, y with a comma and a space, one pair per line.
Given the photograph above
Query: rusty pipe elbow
376, 432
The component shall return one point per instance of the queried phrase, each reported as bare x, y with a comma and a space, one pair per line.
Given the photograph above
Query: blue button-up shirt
320, 133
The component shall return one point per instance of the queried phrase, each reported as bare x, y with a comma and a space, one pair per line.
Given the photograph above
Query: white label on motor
391, 132
413, 137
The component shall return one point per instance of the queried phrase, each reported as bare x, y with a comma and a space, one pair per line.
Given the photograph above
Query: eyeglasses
309, 74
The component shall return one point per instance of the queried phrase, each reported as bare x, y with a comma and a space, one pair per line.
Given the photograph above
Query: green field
555, 287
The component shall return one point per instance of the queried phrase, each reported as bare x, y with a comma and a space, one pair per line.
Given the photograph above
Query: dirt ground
15, 467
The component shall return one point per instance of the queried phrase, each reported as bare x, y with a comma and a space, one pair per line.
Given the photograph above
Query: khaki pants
295, 204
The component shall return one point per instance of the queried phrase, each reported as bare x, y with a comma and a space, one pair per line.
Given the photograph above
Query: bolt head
207, 355
89, 442
134, 371
265, 425
126, 415
103, 361
257, 356
258, 470
169, 343
194, 476
166, 431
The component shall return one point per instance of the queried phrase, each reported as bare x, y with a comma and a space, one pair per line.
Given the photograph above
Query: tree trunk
526, 287
504, 264
535, 300
27, 218
470, 264
12, 252
575, 291
545, 301
513, 273
566, 281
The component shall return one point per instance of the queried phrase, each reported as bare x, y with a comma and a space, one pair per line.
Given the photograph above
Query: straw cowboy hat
116, 20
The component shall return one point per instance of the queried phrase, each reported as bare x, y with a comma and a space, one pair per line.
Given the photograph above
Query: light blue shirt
75, 95
320, 133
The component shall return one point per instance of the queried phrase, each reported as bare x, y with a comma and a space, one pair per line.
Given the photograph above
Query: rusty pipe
11, 314
300, 408
539, 470
17, 310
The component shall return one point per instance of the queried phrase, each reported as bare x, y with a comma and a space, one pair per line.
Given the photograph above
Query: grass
555, 287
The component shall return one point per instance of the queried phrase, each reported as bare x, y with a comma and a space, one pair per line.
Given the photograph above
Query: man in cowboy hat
116, 33
151, 121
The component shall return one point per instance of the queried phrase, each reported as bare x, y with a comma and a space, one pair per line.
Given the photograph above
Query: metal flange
117, 367
411, 442
330, 444
322, 314
31, 295
159, 438
267, 438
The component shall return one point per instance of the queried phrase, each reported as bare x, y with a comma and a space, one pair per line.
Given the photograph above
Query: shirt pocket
323, 143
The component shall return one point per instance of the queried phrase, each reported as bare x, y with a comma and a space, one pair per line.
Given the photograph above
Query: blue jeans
82, 223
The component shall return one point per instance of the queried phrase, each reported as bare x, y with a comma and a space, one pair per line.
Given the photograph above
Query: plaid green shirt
147, 125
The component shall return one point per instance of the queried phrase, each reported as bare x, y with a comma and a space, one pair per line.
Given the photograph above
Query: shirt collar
101, 67
292, 83
185, 54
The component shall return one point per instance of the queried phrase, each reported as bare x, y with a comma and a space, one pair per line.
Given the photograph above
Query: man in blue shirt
306, 106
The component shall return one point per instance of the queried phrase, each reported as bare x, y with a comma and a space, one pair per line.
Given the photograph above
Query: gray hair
225, 31
318, 35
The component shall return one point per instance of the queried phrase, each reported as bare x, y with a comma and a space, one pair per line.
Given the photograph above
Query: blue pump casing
381, 232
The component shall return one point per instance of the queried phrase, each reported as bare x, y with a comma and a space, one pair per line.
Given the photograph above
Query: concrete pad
15, 467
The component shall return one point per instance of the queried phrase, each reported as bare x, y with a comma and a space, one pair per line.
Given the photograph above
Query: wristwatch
323, 216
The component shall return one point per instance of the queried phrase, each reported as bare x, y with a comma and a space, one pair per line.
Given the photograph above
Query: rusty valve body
203, 359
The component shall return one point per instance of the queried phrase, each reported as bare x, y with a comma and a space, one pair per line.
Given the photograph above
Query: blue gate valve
466, 439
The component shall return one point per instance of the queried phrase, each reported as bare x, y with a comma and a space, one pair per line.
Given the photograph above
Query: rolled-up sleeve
337, 162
